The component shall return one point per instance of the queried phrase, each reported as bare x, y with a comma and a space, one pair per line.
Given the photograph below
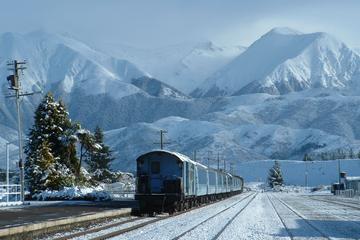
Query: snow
172, 227
243, 126
269, 215
254, 126
10, 204
90, 193
352, 178
319, 172
81, 229
283, 61
183, 66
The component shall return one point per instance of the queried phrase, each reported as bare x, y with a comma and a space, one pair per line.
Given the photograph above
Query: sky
156, 23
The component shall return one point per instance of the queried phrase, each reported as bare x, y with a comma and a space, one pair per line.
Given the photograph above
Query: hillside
284, 60
304, 98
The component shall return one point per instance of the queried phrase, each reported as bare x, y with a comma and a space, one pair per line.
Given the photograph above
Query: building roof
352, 178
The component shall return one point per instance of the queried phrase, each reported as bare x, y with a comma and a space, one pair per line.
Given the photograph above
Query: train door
155, 170
190, 179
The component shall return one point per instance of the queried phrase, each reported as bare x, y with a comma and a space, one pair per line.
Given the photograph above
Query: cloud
161, 22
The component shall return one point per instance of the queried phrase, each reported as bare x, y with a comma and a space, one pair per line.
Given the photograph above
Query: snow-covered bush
74, 193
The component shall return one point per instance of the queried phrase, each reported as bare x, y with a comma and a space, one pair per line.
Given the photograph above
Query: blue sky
154, 23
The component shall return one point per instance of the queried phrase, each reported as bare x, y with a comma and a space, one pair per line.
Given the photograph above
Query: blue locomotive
169, 182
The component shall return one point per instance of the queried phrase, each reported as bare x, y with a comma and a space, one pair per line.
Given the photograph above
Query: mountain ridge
281, 61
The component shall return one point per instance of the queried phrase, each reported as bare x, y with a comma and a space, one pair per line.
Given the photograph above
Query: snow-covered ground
254, 215
294, 172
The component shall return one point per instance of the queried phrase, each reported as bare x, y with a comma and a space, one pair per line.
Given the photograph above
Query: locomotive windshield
155, 167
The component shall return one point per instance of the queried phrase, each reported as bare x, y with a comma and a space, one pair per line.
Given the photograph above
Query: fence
10, 193
120, 190
117, 195
350, 193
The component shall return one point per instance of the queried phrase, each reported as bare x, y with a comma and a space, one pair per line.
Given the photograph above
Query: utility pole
195, 155
208, 158
231, 167
218, 161
14, 84
339, 170
306, 174
162, 143
224, 165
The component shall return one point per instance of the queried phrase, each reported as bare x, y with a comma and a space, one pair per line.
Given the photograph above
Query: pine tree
351, 153
275, 176
87, 145
100, 158
53, 174
51, 139
306, 157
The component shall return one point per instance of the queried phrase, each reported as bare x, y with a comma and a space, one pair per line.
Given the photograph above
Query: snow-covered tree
275, 176
87, 144
100, 158
51, 146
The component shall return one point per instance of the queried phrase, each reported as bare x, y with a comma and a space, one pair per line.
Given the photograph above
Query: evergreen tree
87, 145
51, 146
275, 176
306, 157
351, 153
100, 158
52, 175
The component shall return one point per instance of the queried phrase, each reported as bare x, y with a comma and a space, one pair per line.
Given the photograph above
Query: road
251, 215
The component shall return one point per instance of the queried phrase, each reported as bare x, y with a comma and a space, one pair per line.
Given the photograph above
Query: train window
155, 167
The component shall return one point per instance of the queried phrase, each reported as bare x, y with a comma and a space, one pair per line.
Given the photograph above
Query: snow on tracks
174, 227
318, 233
307, 218
216, 221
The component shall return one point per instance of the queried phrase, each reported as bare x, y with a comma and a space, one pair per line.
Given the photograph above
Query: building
348, 186
353, 183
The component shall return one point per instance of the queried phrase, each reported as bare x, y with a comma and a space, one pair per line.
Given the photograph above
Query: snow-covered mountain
65, 64
284, 60
183, 66
238, 111
250, 127
157, 88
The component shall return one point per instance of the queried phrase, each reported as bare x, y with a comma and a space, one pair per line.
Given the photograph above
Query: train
169, 182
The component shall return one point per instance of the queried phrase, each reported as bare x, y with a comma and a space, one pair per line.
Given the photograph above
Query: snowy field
319, 172
251, 215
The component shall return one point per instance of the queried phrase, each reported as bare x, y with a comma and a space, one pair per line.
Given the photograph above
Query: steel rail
125, 230
281, 219
303, 218
215, 215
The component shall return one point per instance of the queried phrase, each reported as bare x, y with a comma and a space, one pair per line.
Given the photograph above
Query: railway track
215, 215
232, 219
337, 203
302, 218
143, 221
281, 219
102, 228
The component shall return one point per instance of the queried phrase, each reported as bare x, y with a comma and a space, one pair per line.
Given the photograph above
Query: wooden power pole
15, 85
162, 141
